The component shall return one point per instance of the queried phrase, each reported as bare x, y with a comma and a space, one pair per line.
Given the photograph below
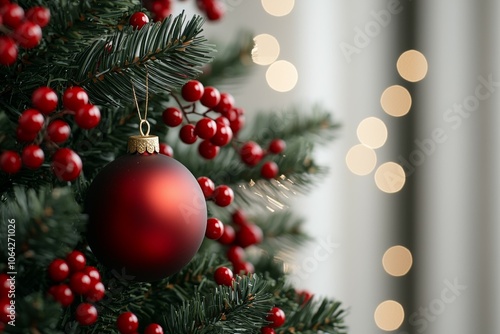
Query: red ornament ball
86, 314
127, 322
138, 20
276, 316
147, 216
31, 120
58, 270
88, 116
28, 34
153, 329
223, 276
223, 195
74, 98
33, 156
44, 99
62, 294
66, 164
269, 170
215, 229
39, 15
76, 261
10, 162
192, 91
8, 51
207, 186
58, 131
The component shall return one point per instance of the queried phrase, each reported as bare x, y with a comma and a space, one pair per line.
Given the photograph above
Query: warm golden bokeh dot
390, 177
396, 101
412, 65
397, 261
361, 159
278, 7
282, 76
372, 132
389, 315
266, 49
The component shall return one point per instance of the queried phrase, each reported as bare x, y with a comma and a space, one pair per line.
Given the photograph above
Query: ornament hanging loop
144, 121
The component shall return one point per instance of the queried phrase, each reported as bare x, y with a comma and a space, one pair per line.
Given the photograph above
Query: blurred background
406, 224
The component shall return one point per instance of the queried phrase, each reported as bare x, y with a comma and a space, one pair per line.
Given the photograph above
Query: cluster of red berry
20, 28
66, 164
7, 303
222, 195
213, 9
128, 323
252, 154
81, 280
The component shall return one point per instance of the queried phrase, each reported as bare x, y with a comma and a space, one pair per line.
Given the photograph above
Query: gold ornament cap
141, 144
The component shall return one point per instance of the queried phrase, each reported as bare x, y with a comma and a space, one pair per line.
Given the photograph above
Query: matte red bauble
147, 213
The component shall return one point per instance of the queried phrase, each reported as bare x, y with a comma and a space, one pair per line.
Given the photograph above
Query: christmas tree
176, 235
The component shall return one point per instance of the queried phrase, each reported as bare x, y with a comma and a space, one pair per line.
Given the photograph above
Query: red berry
215, 229
62, 294
4, 285
44, 99
223, 195
243, 268
172, 116
4, 310
86, 314
74, 98
8, 51
79, 283
211, 97
187, 134
58, 270
66, 165
222, 136
228, 236
33, 156
39, 15
76, 261
276, 316
207, 186
160, 9
127, 322
251, 153
206, 128
221, 120
239, 217
88, 116
58, 131
235, 254
208, 150
248, 234
153, 329
28, 34
269, 170
13, 15
237, 124
267, 330
96, 292
10, 162
166, 150
25, 136
223, 276
192, 91
138, 20
225, 104
276, 146
304, 296
215, 10
31, 120
93, 273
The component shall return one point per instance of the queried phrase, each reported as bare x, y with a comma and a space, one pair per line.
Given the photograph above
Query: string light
390, 177
282, 76
266, 49
412, 65
361, 159
396, 101
389, 315
372, 132
397, 261
278, 7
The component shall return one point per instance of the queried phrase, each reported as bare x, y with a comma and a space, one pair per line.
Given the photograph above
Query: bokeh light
396, 101
361, 159
412, 65
266, 49
372, 132
397, 261
282, 76
278, 7
390, 177
389, 315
